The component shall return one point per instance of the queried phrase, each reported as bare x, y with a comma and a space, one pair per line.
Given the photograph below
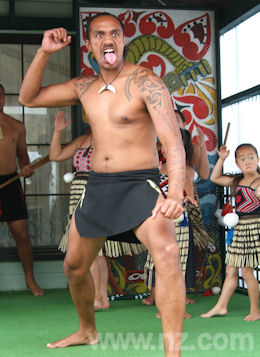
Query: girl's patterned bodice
81, 159
246, 201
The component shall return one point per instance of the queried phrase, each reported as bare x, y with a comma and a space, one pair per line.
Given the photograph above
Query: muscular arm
175, 155
161, 111
189, 178
32, 94
157, 100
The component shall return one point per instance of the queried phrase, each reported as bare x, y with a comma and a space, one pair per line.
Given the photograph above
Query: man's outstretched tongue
110, 57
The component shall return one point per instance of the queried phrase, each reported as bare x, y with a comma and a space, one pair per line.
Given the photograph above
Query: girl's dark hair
188, 146
181, 115
246, 145
87, 28
240, 176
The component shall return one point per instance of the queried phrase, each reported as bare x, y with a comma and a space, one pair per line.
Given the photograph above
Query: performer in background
244, 251
13, 208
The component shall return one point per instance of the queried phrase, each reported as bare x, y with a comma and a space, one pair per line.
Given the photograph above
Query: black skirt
114, 203
12, 200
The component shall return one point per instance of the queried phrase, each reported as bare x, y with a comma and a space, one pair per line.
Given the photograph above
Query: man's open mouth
110, 56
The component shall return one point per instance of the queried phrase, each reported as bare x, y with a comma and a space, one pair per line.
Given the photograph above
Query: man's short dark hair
87, 28
2, 87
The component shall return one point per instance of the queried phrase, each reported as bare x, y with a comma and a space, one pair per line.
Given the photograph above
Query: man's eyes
115, 34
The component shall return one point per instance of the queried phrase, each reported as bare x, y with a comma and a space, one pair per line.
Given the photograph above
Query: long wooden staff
34, 166
226, 135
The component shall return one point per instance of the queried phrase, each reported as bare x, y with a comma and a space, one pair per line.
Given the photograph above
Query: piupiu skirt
244, 251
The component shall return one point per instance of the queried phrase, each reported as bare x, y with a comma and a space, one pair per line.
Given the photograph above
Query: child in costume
244, 251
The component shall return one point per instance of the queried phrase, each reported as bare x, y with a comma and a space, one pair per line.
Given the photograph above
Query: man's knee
73, 269
167, 257
21, 238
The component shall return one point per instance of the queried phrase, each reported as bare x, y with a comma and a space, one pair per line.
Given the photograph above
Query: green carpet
127, 329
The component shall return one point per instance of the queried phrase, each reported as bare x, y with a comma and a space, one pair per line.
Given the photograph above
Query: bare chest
113, 108
8, 135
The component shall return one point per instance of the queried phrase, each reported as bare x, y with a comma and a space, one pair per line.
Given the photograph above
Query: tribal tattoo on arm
156, 94
148, 83
82, 84
154, 90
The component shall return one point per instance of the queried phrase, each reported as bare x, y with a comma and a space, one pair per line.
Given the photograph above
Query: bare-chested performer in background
12, 202
127, 107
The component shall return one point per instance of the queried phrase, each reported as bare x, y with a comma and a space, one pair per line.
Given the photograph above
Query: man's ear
88, 45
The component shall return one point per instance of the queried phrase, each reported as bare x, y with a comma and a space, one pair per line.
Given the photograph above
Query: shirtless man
12, 205
127, 107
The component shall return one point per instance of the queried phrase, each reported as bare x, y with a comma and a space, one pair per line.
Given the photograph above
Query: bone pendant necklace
109, 85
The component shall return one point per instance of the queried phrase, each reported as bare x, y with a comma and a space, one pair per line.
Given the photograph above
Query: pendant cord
108, 84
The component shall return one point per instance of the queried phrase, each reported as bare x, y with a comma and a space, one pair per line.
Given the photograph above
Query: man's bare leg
103, 270
80, 255
96, 278
228, 290
19, 231
253, 294
158, 236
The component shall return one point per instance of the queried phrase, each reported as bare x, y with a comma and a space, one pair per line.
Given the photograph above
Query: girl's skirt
244, 251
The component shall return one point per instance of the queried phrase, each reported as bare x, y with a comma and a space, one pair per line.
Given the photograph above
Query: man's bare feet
215, 312
76, 338
252, 317
187, 316
102, 306
35, 289
189, 301
149, 300
97, 304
